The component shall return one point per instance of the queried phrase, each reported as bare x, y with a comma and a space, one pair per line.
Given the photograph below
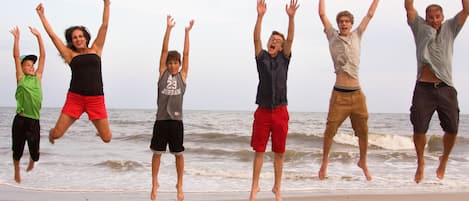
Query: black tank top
87, 78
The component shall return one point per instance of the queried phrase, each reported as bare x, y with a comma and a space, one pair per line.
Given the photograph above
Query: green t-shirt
29, 97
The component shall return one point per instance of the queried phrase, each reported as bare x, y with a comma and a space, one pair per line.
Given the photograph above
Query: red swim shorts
267, 121
76, 104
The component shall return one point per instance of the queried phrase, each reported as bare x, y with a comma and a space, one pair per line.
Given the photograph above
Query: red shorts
76, 104
267, 121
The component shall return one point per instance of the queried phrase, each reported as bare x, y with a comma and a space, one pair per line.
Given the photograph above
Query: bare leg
256, 171
31, 165
326, 147
278, 167
180, 174
102, 125
363, 146
155, 167
420, 140
17, 171
63, 123
448, 143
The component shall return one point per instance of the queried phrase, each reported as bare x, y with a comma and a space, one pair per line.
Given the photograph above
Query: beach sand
11, 193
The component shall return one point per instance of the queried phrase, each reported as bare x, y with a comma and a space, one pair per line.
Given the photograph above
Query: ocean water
218, 155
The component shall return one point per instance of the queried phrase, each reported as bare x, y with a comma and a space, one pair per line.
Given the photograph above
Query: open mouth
272, 47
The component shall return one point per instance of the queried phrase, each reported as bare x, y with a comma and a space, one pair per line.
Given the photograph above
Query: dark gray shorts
429, 98
168, 132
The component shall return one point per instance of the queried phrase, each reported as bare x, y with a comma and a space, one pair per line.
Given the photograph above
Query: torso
427, 75
86, 75
344, 79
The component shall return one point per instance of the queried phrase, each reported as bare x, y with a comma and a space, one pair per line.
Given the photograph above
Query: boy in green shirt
28, 96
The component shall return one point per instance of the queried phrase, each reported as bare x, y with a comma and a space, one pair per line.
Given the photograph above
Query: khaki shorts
347, 104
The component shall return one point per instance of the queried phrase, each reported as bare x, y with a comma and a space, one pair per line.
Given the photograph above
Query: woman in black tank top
86, 82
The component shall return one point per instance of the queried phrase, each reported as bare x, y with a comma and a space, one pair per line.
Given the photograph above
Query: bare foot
30, 166
254, 191
440, 172
51, 137
180, 195
322, 172
419, 173
364, 167
154, 191
278, 195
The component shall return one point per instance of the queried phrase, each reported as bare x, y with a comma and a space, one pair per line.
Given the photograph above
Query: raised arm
369, 15
185, 52
322, 14
291, 11
16, 53
261, 9
64, 51
42, 53
462, 15
410, 9
164, 50
98, 43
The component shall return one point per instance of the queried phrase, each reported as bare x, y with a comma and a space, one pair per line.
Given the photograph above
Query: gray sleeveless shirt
171, 90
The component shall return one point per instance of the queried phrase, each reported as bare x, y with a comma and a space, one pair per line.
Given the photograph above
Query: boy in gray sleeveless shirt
168, 128
434, 89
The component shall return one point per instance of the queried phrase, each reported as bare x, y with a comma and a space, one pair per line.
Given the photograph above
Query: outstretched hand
34, 31
189, 27
170, 21
261, 7
15, 31
40, 9
291, 9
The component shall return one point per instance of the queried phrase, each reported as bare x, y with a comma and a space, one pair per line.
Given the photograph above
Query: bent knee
106, 137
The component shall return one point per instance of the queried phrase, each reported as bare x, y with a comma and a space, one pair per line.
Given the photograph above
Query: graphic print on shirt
171, 88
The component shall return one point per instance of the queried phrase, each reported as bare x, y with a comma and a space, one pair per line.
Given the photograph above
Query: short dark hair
173, 55
345, 13
433, 7
68, 36
278, 34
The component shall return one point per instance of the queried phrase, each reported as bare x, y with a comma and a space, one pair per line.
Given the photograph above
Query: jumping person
347, 99
86, 92
271, 117
26, 126
434, 88
169, 128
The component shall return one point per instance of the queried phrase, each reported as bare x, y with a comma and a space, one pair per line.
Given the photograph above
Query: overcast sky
222, 71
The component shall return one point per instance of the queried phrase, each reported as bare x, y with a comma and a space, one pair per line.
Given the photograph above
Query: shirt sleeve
331, 32
416, 24
454, 26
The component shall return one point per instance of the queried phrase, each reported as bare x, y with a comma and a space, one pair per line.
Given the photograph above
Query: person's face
28, 67
275, 45
345, 25
78, 39
434, 18
173, 66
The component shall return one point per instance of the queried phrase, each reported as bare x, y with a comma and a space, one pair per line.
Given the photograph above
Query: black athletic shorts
25, 129
168, 132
